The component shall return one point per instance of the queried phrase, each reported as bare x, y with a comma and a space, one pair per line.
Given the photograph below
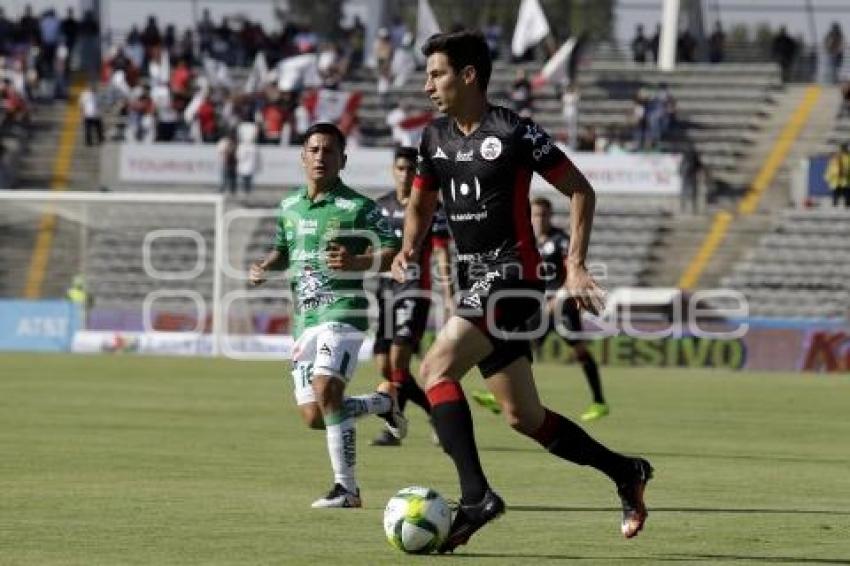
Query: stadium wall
368, 168
768, 345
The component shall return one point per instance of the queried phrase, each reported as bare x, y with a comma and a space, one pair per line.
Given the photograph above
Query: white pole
669, 33
218, 274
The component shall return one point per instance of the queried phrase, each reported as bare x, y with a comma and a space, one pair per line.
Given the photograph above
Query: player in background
481, 158
316, 241
553, 244
403, 307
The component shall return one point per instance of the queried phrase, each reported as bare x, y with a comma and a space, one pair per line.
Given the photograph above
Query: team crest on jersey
549, 247
491, 148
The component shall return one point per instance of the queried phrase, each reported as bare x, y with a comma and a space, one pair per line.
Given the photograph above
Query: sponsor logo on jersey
346, 204
440, 154
463, 155
307, 226
491, 148
325, 350
532, 133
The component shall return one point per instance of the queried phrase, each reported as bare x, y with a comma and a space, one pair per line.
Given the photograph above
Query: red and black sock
453, 423
408, 389
567, 440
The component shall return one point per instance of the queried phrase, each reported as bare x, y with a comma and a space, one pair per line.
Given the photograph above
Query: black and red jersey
554, 248
438, 235
485, 179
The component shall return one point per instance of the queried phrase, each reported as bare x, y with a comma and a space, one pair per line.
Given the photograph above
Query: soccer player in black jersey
554, 246
481, 158
403, 307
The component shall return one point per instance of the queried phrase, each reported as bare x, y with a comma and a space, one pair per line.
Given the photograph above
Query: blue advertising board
37, 326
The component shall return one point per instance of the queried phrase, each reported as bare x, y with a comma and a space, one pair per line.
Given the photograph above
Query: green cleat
487, 400
595, 411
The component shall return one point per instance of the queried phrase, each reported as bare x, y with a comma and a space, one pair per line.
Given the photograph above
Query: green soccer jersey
305, 228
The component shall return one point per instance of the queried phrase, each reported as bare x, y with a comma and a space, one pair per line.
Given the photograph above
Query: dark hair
402, 152
542, 201
463, 48
328, 129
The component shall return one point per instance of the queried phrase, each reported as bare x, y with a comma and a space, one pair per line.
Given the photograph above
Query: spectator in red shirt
207, 121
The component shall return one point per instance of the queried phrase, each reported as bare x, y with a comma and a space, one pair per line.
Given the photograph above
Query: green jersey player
328, 236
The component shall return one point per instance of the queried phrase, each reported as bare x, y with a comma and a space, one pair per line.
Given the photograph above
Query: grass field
135, 460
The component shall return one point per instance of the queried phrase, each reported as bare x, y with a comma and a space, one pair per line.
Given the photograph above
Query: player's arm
277, 258
338, 257
444, 270
419, 213
546, 159
417, 222
573, 184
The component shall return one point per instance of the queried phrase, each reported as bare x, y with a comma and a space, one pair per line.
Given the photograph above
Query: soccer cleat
487, 400
338, 497
469, 518
386, 438
631, 496
395, 419
595, 411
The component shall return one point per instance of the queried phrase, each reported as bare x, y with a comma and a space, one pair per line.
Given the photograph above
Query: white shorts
329, 349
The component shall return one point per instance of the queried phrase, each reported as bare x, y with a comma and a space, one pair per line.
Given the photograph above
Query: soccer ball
417, 520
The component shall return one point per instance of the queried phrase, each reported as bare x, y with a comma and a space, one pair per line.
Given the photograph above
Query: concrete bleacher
801, 268
720, 108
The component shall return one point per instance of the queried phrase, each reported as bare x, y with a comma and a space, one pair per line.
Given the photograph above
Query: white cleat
340, 498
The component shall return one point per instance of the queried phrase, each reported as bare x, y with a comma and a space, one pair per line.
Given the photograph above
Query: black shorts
508, 304
401, 321
570, 318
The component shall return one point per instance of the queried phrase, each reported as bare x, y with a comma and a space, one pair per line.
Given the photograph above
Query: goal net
160, 273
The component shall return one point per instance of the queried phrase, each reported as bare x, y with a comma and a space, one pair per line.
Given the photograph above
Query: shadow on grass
684, 557
701, 456
653, 509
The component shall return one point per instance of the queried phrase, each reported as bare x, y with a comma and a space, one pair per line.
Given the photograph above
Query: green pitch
119, 460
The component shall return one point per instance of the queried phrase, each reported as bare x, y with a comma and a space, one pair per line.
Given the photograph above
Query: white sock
342, 448
371, 404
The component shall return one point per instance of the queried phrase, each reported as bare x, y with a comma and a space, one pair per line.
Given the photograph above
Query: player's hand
402, 260
338, 258
584, 290
256, 274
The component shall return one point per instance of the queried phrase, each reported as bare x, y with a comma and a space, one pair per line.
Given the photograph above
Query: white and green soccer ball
417, 520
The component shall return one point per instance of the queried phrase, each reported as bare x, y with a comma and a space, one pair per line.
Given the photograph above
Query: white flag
426, 25
555, 69
531, 27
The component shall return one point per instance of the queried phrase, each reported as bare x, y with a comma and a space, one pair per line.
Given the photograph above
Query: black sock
409, 390
453, 423
567, 440
591, 372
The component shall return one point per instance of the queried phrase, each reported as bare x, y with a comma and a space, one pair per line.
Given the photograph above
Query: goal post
133, 245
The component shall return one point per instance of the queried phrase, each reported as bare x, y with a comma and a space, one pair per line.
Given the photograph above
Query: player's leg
459, 346
336, 349
410, 320
514, 388
572, 321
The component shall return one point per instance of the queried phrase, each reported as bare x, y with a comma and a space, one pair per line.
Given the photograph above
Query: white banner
248, 347
369, 168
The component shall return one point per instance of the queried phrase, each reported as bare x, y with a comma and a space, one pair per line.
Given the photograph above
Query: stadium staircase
36, 170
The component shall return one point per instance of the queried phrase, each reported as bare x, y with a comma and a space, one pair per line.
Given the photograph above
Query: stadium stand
801, 268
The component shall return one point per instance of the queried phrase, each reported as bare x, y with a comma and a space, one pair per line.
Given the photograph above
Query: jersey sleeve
426, 173
378, 224
283, 233
538, 151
